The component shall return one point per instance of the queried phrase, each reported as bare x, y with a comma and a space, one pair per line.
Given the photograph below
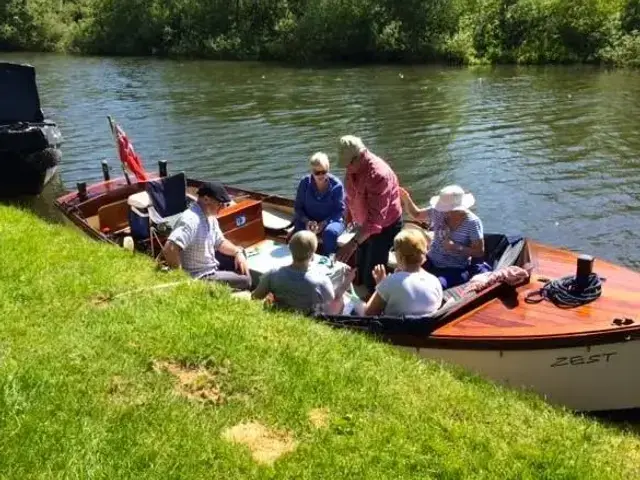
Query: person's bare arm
228, 248
349, 276
262, 290
476, 250
375, 305
421, 214
181, 237
171, 253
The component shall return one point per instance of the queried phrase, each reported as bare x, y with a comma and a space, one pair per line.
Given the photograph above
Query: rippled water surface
549, 152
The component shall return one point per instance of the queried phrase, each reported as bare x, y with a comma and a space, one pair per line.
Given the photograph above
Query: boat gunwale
539, 342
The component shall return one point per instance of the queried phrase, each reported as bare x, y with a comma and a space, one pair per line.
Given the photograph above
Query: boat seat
113, 216
275, 219
345, 238
94, 222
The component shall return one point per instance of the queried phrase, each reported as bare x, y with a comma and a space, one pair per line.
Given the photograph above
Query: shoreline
332, 64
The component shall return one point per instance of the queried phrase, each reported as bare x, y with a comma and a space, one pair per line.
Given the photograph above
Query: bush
461, 31
31, 25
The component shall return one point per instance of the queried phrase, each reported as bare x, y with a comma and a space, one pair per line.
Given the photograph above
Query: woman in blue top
457, 250
320, 204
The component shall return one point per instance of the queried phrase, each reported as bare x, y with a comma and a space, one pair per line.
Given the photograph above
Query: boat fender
128, 244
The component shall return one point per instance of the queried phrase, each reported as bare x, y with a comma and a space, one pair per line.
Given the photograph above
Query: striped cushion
455, 293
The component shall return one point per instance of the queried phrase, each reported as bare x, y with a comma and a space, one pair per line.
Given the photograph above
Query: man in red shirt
373, 204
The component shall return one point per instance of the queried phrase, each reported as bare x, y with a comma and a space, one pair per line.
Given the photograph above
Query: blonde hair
319, 159
349, 147
303, 245
411, 245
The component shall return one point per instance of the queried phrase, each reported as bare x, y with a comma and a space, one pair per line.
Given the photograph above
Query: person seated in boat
409, 290
198, 246
457, 251
296, 286
319, 204
373, 204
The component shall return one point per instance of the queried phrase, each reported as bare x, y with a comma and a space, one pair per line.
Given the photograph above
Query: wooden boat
583, 357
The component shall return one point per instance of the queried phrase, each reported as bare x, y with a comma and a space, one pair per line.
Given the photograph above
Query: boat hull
583, 378
23, 180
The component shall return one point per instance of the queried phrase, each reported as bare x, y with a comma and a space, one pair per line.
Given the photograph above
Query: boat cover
19, 98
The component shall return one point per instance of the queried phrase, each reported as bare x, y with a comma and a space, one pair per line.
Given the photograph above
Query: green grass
80, 397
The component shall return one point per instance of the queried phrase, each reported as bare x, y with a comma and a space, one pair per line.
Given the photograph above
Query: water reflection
550, 152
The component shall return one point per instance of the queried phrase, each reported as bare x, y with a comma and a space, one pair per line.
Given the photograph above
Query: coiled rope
566, 293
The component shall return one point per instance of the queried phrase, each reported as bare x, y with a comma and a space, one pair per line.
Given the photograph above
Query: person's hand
269, 300
450, 246
350, 274
241, 264
346, 251
312, 226
379, 273
404, 195
321, 226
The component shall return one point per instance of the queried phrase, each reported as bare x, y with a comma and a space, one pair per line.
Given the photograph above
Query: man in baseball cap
196, 242
214, 190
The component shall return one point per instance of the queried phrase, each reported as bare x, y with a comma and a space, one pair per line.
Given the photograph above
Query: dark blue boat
29, 143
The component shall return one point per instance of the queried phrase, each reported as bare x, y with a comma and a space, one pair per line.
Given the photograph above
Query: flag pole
114, 133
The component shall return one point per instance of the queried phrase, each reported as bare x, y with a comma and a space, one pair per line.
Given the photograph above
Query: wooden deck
509, 318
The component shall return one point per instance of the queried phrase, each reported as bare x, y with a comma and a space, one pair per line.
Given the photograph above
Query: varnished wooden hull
584, 357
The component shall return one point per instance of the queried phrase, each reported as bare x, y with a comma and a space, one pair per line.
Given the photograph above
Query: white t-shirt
412, 294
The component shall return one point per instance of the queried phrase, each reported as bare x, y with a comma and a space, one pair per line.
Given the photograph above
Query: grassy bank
169, 383
459, 31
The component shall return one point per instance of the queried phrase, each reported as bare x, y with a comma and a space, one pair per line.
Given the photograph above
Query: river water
550, 152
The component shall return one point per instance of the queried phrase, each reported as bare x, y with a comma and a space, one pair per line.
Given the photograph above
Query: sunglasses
319, 173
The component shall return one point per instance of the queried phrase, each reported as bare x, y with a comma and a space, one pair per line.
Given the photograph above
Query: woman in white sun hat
457, 250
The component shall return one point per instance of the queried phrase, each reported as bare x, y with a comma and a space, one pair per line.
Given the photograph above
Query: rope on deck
565, 292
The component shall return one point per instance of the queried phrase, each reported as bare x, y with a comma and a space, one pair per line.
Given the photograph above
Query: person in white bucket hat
452, 197
457, 250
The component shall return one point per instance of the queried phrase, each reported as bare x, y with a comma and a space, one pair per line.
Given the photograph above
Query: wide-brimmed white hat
452, 197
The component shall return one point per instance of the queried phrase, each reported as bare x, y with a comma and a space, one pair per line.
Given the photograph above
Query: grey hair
303, 245
350, 146
320, 159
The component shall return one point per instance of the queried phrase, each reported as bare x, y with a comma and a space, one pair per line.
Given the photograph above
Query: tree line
456, 31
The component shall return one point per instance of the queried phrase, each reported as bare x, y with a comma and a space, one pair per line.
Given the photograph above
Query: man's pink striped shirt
372, 194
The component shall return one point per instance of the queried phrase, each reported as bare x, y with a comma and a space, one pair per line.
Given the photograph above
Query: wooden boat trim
624, 334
